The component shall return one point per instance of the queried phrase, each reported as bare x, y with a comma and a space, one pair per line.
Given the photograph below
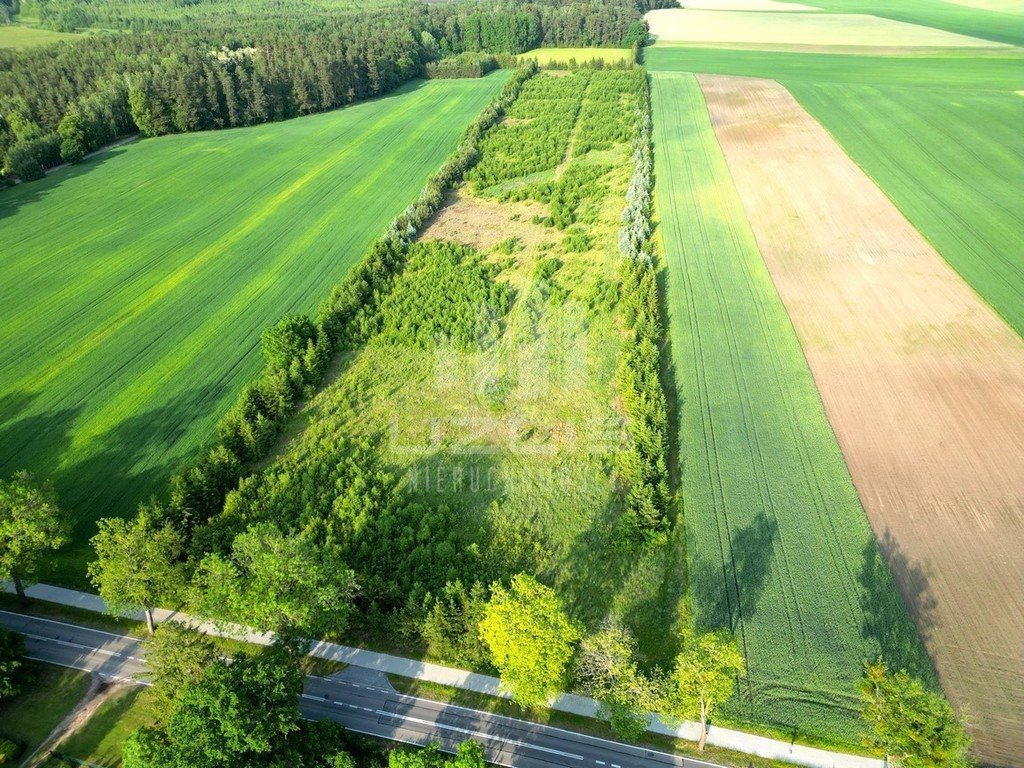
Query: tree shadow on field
887, 618
727, 593
13, 199
32, 441
121, 467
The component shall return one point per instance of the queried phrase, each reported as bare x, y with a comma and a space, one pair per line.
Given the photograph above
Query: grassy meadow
26, 36
779, 547
899, 118
139, 282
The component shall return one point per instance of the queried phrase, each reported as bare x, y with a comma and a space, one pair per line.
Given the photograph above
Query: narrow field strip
922, 382
754, 28
779, 546
130, 338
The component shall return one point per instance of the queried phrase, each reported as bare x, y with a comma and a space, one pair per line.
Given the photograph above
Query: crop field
752, 29
545, 56
921, 383
779, 546
137, 284
998, 20
897, 118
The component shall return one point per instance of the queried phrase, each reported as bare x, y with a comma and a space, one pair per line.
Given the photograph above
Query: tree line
178, 75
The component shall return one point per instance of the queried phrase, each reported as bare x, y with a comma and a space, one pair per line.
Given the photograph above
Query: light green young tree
138, 564
915, 727
530, 638
30, 523
606, 670
277, 583
176, 657
703, 677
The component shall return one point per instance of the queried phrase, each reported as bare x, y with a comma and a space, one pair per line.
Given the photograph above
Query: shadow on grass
108, 476
887, 619
726, 593
13, 199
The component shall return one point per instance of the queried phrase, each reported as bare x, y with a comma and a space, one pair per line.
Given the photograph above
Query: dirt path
923, 384
98, 692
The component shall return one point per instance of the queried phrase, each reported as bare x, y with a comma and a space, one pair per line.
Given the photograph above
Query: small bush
9, 751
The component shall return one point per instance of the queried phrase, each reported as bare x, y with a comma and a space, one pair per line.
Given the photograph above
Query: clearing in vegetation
479, 431
137, 284
779, 547
922, 382
940, 135
25, 36
796, 30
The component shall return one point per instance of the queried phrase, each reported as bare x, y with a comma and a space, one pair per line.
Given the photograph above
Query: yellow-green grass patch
25, 36
564, 55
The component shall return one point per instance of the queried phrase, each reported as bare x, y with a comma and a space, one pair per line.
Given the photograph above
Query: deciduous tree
915, 727
530, 638
30, 523
177, 656
12, 648
138, 564
703, 677
606, 670
277, 583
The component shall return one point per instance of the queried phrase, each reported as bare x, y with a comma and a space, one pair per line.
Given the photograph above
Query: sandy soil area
923, 384
800, 29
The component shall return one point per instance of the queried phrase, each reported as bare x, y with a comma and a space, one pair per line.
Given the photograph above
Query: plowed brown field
923, 384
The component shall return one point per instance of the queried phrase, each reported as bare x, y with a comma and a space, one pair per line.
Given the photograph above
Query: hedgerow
645, 463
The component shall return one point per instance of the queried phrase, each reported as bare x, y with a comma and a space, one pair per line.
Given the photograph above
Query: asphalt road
365, 704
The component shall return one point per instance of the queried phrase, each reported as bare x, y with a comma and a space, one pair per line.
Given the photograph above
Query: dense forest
178, 72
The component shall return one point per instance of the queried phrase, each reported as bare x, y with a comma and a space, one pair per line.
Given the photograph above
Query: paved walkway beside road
727, 738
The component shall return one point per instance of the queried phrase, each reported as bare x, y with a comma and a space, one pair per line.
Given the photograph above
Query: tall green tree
30, 523
915, 727
138, 564
237, 714
703, 677
177, 656
72, 137
277, 583
606, 670
530, 638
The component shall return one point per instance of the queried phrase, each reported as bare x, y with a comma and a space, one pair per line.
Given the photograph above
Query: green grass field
779, 546
99, 740
991, 24
25, 36
580, 55
940, 135
51, 693
137, 284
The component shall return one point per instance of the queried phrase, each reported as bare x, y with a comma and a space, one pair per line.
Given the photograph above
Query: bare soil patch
923, 384
483, 223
